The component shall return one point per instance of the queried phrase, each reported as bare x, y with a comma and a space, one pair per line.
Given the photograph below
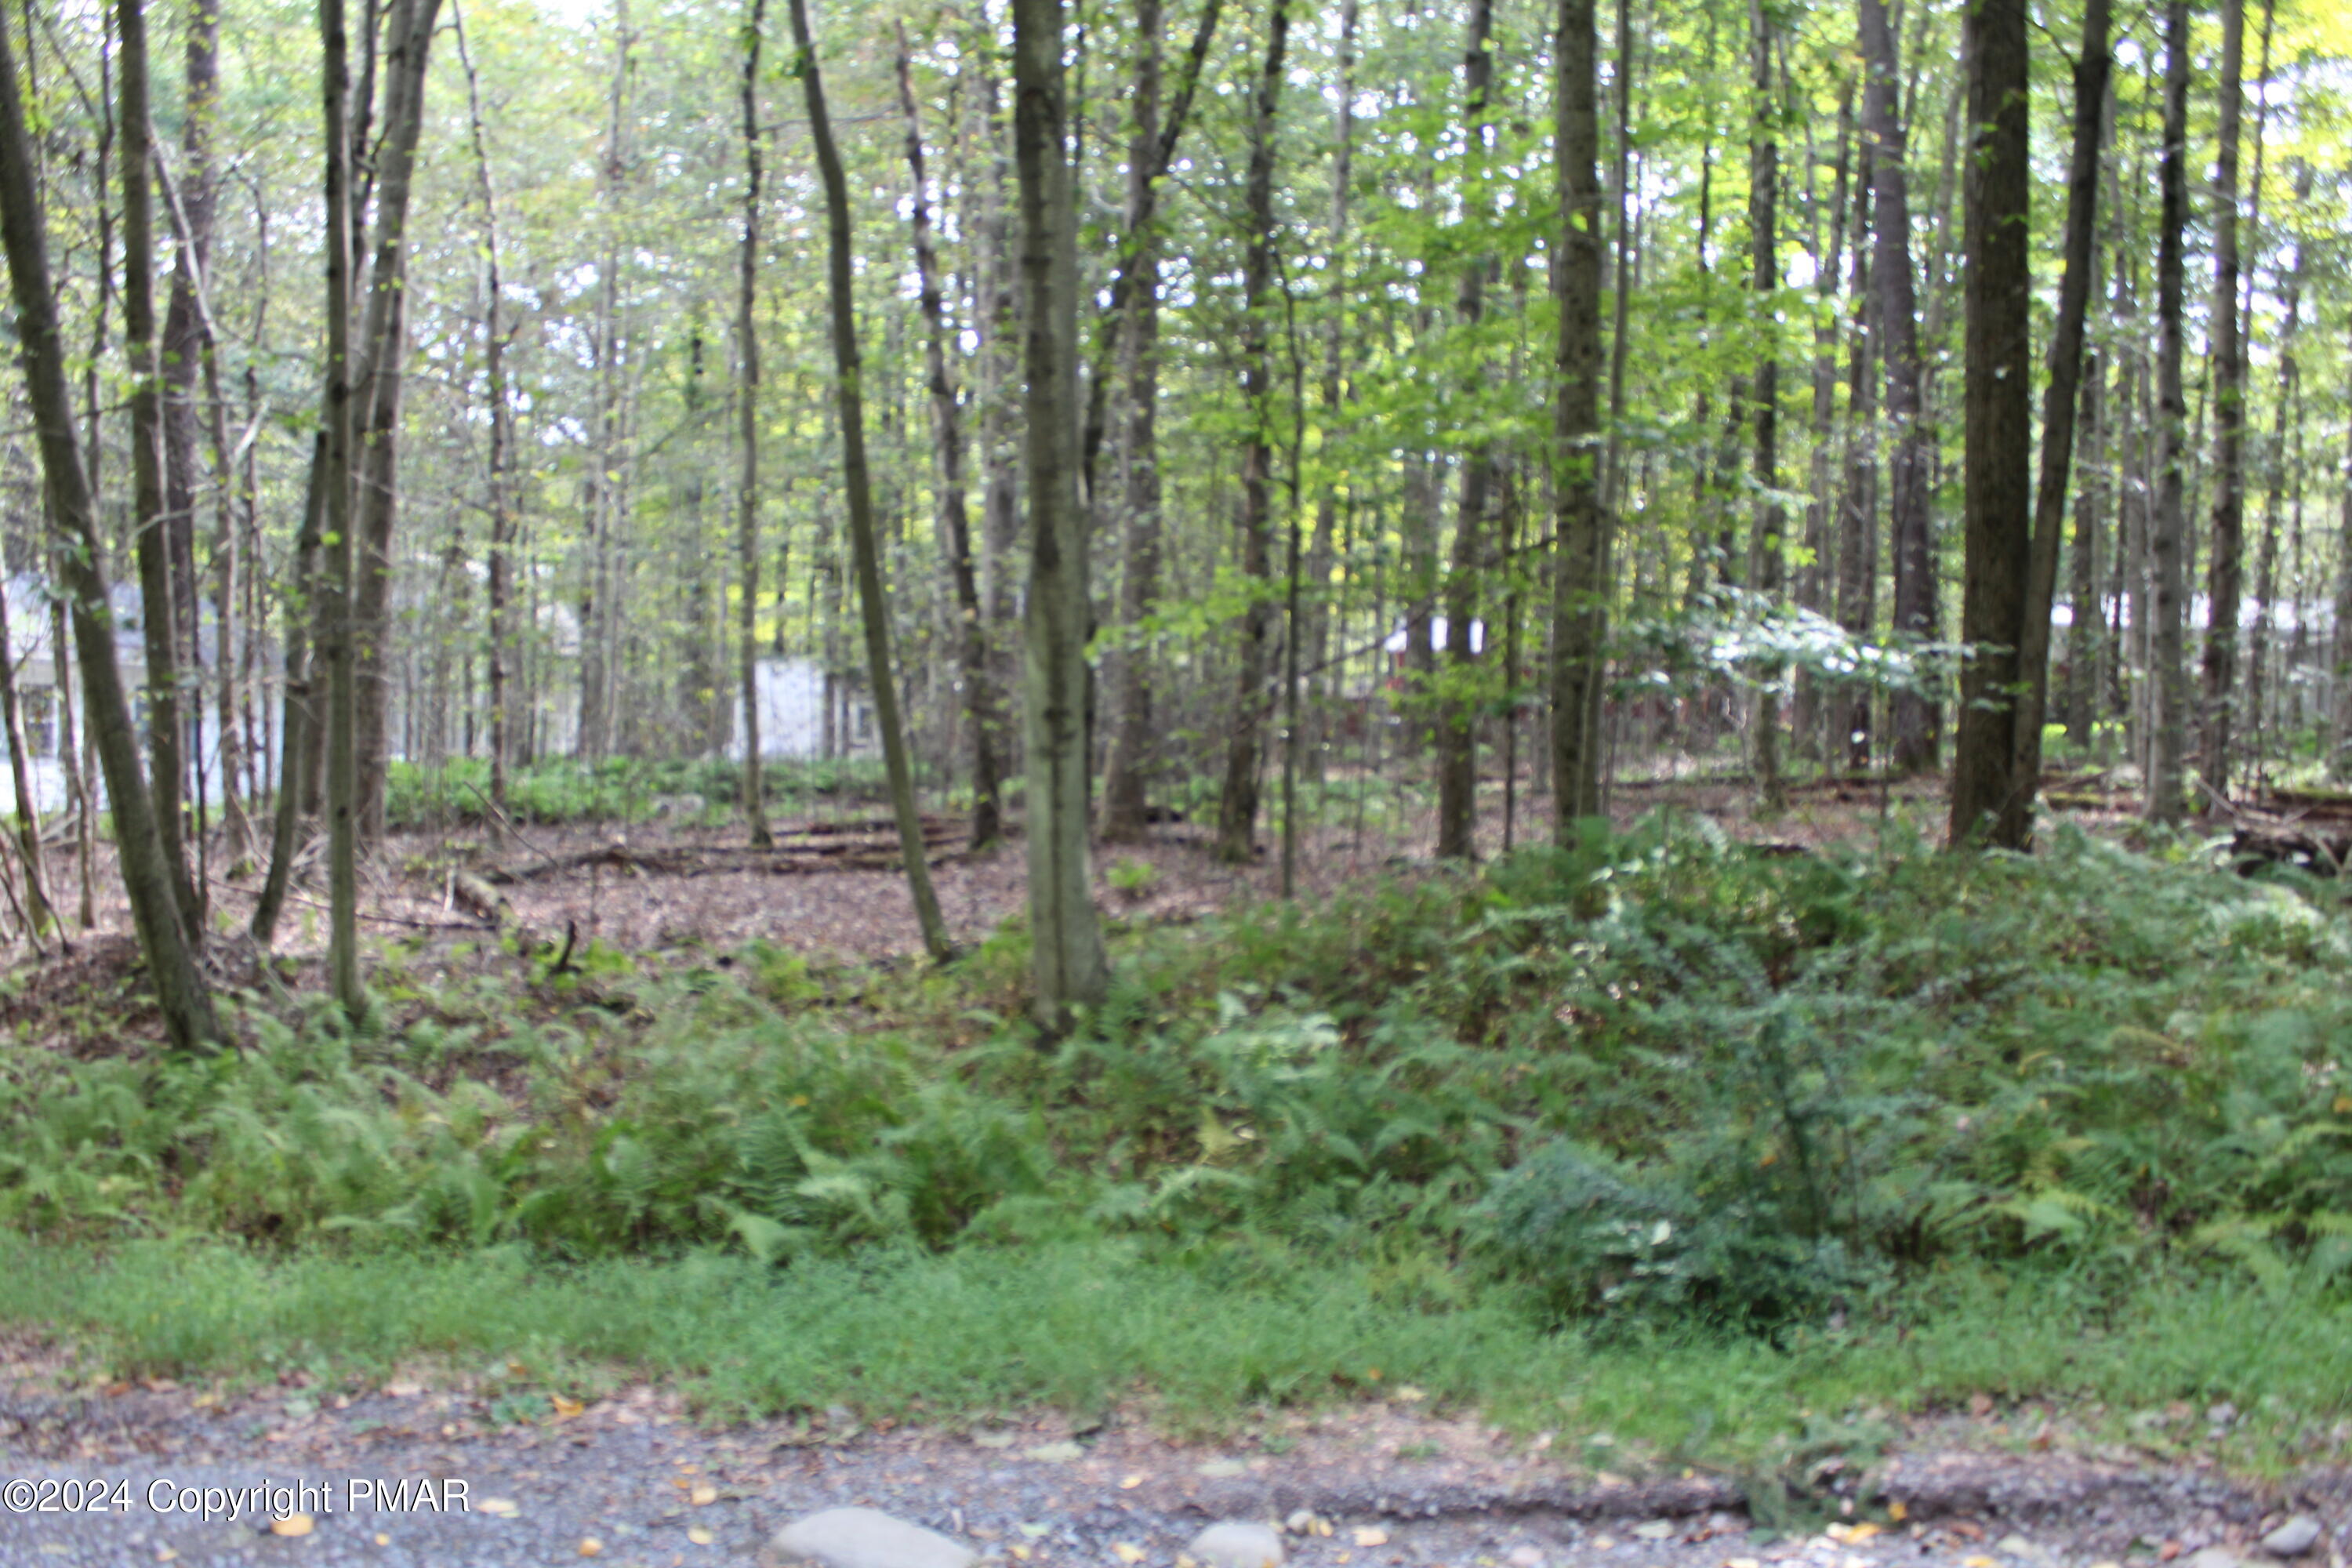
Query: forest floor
631, 1478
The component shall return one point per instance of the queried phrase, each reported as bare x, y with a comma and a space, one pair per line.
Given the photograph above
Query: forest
1596, 696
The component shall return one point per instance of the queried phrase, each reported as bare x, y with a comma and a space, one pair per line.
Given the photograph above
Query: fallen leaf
700, 1536
991, 1439
1130, 1483
2168, 1552
703, 1495
1610, 1478
590, 1547
565, 1410
1977, 1563
1059, 1453
1217, 1469
1856, 1534
292, 1524
1407, 1393
1371, 1537
1897, 1512
1020, 1552
1127, 1554
403, 1389
1979, 1403
1742, 1562
1656, 1530
499, 1507
382, 1538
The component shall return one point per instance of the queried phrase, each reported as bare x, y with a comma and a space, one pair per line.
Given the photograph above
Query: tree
335, 484
1579, 590
2225, 556
1237, 804
1070, 967
2167, 540
2067, 388
166, 945
747, 413
980, 701
849, 393
1764, 239
1457, 721
159, 614
1910, 459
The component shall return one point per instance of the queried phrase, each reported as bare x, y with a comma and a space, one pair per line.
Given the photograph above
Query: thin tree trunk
2168, 710
1763, 223
300, 714
382, 349
2225, 556
1071, 968
494, 348
158, 602
850, 395
2289, 400
180, 995
747, 411
1580, 588
1911, 443
2058, 417
1237, 804
1857, 565
1457, 723
1125, 815
39, 916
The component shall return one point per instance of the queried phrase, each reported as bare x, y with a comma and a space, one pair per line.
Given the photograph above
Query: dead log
484, 901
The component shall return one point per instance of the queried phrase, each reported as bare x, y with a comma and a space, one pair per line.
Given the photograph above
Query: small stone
2212, 1557
1303, 1521
1221, 1469
1525, 1557
867, 1538
1235, 1543
1060, 1453
1656, 1530
2293, 1539
2018, 1546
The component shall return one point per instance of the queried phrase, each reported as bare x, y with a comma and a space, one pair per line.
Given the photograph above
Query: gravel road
632, 1479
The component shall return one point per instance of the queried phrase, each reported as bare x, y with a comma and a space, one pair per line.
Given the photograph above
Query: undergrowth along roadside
1661, 1088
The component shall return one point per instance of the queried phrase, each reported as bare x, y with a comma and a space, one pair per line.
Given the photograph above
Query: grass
1084, 1328
1701, 1146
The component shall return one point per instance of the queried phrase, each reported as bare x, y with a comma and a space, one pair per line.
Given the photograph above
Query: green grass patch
1206, 1347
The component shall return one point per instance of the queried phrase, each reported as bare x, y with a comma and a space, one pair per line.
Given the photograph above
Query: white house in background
793, 696
32, 653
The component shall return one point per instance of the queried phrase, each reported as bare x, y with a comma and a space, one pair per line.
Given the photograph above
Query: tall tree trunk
955, 519
184, 348
494, 348
2168, 710
341, 754
1580, 588
1857, 563
383, 345
2086, 632
1124, 808
2339, 748
1071, 969
2058, 417
1457, 721
605, 502
155, 910
849, 393
158, 601
1237, 804
2225, 556
747, 412
1911, 442
1763, 223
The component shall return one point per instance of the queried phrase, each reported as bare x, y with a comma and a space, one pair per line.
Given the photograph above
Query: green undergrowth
620, 789
1906, 1121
